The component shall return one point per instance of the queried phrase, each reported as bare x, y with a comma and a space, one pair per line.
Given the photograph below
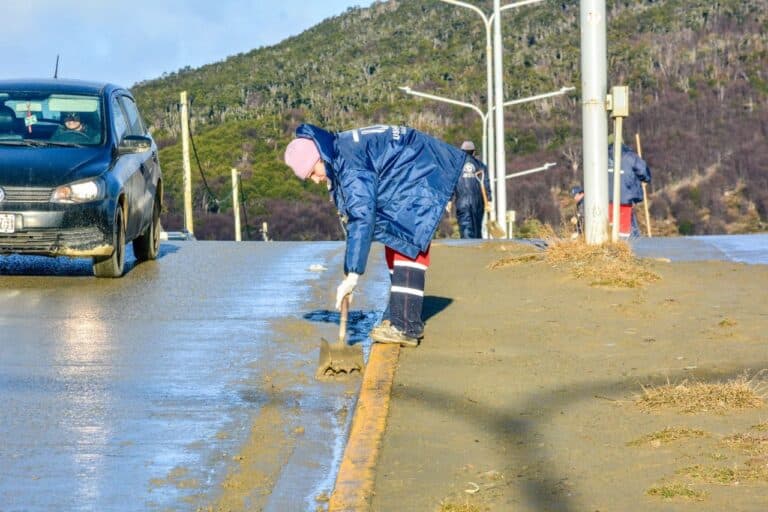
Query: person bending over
390, 184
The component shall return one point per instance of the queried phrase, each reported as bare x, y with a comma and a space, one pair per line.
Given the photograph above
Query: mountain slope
696, 71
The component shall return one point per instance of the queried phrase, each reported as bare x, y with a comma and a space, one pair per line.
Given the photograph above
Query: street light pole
489, 144
501, 186
594, 85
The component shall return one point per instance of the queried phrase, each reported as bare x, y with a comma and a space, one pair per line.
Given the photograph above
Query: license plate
7, 222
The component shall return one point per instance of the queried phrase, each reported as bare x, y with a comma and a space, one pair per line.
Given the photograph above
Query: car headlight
80, 192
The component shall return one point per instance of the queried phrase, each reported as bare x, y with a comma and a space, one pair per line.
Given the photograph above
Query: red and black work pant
406, 294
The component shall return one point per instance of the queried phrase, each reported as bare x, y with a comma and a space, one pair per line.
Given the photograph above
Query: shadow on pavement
359, 322
434, 305
31, 265
522, 436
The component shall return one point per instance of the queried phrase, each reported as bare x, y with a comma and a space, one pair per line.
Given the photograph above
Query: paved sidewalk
522, 394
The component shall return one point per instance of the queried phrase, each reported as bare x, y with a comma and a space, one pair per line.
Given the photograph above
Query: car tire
147, 245
114, 265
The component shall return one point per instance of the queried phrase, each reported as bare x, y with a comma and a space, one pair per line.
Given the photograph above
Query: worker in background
468, 198
634, 170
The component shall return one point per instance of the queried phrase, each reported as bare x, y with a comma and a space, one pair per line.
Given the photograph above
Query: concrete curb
354, 484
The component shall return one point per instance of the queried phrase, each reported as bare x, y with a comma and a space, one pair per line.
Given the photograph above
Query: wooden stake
188, 220
645, 191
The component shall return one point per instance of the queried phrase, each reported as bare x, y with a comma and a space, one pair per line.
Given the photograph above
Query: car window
119, 123
135, 126
42, 115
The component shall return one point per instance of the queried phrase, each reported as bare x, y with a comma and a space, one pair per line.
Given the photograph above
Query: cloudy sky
126, 42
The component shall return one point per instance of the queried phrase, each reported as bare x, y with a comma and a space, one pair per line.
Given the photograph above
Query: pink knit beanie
301, 155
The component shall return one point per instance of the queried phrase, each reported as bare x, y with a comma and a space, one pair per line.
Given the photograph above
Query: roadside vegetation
609, 264
688, 63
701, 397
733, 460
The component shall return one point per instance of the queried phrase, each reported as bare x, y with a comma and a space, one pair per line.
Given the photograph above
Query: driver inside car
73, 129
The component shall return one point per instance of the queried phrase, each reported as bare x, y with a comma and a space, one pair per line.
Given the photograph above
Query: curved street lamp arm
470, 6
531, 171
511, 6
539, 97
519, 4
408, 90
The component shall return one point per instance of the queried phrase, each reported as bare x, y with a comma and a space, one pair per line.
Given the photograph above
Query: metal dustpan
338, 360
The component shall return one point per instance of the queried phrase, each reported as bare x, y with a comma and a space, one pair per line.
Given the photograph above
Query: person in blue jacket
634, 170
390, 184
470, 205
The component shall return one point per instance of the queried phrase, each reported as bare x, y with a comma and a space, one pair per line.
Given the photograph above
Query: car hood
50, 167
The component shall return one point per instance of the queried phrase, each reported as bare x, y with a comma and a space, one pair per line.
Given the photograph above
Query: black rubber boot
406, 300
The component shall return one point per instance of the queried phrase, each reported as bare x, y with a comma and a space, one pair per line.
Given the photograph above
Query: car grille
49, 241
27, 195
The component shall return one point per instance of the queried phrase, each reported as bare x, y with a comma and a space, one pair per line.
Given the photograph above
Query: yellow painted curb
354, 483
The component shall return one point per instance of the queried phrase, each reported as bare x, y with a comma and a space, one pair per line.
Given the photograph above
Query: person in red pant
634, 171
390, 184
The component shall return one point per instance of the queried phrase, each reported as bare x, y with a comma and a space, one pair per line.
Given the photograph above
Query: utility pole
501, 169
618, 105
594, 85
236, 204
188, 221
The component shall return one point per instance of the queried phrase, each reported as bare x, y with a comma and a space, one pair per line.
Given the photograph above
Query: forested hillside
698, 89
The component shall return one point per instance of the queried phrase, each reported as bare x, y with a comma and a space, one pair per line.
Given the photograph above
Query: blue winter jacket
633, 171
468, 197
468, 187
389, 183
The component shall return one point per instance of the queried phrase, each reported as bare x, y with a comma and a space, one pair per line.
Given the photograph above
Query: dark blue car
79, 173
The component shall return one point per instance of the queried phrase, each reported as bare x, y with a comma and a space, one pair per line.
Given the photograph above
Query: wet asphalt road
108, 385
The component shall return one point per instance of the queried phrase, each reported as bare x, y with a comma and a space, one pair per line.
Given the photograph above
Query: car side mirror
134, 144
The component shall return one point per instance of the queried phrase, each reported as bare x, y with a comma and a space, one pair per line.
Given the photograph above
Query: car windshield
43, 119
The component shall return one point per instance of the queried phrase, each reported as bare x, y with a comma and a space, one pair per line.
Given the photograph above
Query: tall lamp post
489, 151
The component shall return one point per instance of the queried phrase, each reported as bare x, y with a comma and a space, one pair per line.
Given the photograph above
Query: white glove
346, 287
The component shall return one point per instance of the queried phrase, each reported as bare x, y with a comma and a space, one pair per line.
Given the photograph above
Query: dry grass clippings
508, 261
464, 507
749, 443
666, 436
676, 490
603, 265
696, 397
752, 472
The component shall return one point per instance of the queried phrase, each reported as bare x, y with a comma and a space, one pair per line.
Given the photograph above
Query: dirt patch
531, 372
177, 477
253, 470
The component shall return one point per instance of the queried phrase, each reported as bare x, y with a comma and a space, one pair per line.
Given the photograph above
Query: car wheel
113, 266
147, 245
